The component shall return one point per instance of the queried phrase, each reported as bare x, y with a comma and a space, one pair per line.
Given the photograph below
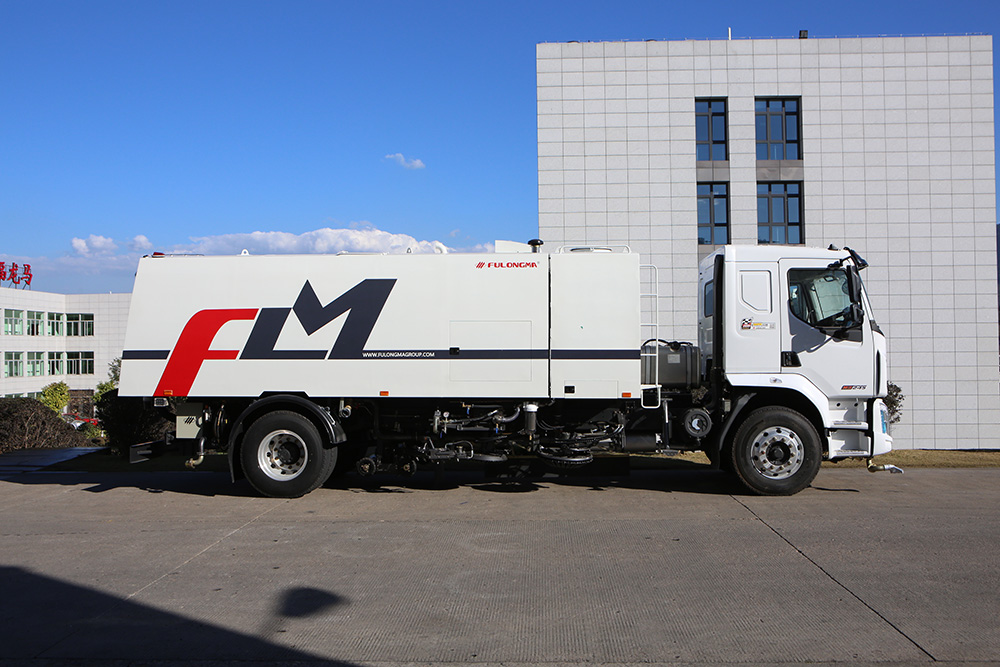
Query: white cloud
94, 245
325, 240
140, 244
398, 158
93, 265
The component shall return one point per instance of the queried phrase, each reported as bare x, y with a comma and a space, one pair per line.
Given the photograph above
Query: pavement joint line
166, 574
837, 581
209, 547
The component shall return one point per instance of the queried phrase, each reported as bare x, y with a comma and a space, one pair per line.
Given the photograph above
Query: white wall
110, 315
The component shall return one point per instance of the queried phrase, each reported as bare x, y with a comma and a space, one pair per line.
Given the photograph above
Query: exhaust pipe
885, 467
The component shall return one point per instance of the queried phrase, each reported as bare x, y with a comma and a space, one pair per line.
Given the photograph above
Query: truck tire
776, 452
284, 456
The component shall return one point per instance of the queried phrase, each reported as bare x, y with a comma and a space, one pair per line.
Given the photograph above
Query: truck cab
791, 336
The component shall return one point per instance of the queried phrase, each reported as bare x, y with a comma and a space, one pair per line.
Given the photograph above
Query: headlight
884, 413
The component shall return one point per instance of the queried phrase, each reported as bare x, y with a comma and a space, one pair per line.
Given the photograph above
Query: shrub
894, 403
27, 424
55, 396
127, 421
102, 388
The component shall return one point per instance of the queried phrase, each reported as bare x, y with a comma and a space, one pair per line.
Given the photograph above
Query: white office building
49, 337
885, 145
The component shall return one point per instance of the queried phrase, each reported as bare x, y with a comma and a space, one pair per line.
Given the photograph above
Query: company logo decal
749, 324
854, 387
507, 265
363, 304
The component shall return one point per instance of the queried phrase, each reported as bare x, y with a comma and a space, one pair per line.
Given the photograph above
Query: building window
713, 213
778, 129
36, 364
710, 129
13, 364
55, 363
779, 213
36, 322
13, 322
79, 363
79, 324
55, 324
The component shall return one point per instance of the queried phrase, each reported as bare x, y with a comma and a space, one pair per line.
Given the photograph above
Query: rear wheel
776, 452
283, 455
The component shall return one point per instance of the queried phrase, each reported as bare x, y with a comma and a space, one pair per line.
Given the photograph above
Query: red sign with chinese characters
18, 275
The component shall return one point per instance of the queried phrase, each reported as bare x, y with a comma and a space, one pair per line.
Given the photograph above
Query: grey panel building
882, 144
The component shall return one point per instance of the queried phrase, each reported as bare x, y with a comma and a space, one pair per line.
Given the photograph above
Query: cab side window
820, 297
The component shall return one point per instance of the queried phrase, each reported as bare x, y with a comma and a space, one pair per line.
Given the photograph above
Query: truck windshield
820, 297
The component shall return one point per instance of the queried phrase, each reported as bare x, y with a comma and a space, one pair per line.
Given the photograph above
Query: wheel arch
776, 450
763, 397
329, 428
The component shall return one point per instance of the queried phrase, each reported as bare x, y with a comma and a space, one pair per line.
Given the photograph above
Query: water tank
679, 364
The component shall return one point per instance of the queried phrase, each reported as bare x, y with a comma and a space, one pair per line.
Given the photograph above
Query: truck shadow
54, 621
207, 484
700, 480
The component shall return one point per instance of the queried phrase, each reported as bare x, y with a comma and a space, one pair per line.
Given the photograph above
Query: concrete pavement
662, 567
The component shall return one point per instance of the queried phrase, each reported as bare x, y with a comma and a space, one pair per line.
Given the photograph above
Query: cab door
820, 335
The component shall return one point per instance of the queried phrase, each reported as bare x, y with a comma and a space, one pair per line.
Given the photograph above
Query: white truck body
292, 361
457, 325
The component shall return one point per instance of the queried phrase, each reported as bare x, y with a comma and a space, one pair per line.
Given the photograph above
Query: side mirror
857, 315
854, 285
854, 317
857, 312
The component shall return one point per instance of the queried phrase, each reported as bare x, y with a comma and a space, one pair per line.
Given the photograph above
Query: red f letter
192, 349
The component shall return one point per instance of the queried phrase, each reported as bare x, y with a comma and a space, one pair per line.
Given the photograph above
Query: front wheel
283, 455
776, 452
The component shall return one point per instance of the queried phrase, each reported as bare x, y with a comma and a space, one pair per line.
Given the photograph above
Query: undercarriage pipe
885, 467
199, 452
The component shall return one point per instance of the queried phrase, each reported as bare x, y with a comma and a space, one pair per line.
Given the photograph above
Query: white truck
296, 365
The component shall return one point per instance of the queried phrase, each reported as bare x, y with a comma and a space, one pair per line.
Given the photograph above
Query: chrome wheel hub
282, 455
777, 452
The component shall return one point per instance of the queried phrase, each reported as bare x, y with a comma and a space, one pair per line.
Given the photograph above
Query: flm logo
362, 304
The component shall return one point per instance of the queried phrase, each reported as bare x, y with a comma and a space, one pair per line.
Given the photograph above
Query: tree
114, 372
55, 396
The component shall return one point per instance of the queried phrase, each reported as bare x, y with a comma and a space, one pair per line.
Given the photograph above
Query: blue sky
127, 127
